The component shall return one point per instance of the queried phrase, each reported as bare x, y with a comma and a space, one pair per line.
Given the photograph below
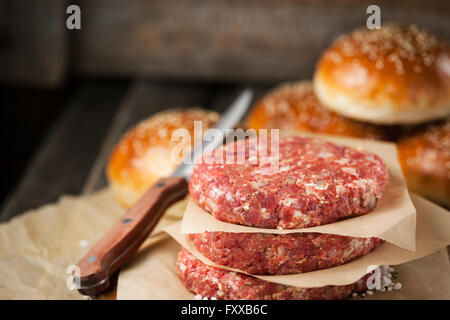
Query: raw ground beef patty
315, 183
275, 254
222, 284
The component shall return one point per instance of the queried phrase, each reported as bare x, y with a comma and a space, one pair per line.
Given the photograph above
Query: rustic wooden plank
33, 42
95, 178
66, 155
27, 114
261, 40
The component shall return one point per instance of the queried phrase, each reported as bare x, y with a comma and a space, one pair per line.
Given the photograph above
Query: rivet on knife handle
125, 237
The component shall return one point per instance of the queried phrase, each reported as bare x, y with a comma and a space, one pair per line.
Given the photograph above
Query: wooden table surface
72, 157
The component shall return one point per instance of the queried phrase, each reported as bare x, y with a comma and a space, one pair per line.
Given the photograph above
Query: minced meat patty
275, 254
211, 282
315, 183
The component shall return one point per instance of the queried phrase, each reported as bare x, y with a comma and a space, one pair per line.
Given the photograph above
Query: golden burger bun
294, 106
393, 75
424, 155
146, 152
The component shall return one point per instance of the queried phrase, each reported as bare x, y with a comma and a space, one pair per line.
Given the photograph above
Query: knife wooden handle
125, 237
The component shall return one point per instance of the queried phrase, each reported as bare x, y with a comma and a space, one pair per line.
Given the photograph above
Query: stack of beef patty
307, 183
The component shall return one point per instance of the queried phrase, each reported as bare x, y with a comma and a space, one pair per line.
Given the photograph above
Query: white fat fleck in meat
298, 213
265, 213
355, 244
310, 190
182, 267
220, 293
364, 184
325, 155
320, 184
342, 161
350, 171
216, 281
289, 201
258, 184
282, 251
285, 168
306, 218
215, 192
317, 185
340, 189
229, 196
237, 210
372, 202
290, 180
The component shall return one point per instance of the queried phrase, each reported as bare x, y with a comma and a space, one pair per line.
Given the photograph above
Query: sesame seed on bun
393, 75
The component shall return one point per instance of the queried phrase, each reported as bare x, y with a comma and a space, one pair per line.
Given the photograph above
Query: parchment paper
394, 220
37, 247
152, 275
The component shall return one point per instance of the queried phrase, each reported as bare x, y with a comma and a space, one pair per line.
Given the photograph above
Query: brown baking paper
152, 273
394, 220
433, 234
37, 247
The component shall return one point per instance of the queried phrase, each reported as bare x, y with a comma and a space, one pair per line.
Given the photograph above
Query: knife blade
92, 273
228, 120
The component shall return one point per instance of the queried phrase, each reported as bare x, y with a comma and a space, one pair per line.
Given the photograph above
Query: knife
92, 274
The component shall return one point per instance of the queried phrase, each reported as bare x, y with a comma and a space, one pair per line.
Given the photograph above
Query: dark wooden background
257, 40
67, 96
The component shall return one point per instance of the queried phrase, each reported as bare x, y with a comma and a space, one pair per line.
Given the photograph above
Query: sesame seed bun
144, 154
393, 75
424, 154
294, 106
